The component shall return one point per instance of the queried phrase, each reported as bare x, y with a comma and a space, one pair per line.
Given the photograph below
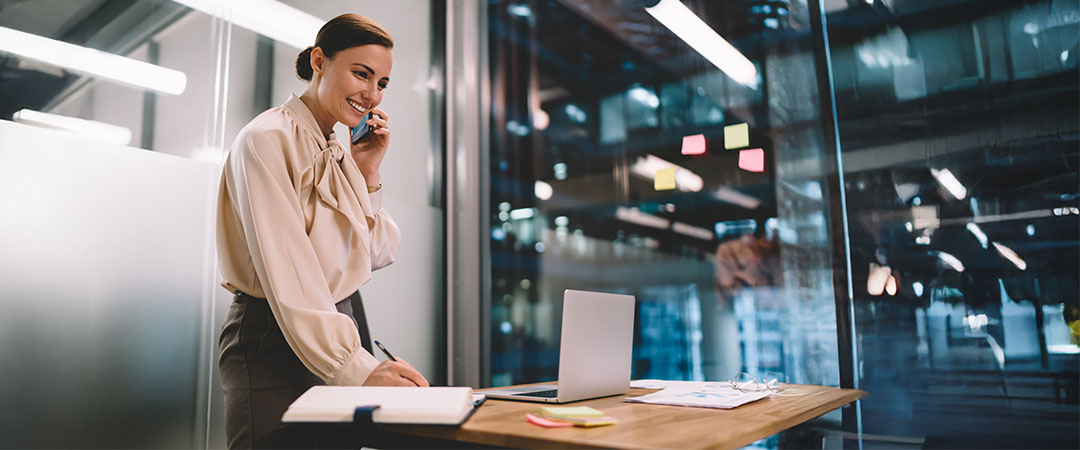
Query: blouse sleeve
287, 267
385, 235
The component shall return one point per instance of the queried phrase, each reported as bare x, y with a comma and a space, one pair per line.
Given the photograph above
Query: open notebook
407, 405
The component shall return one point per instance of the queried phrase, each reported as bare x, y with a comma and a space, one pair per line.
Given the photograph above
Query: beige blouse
297, 226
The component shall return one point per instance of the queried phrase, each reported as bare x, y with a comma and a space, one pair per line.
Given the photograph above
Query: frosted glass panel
106, 255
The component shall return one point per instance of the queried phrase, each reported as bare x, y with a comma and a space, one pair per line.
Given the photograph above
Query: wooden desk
502, 422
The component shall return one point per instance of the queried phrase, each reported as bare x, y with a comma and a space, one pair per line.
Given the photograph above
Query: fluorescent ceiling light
92, 62
523, 213
644, 96
560, 171
543, 190
270, 18
978, 233
634, 215
685, 180
698, 35
692, 231
951, 260
99, 131
735, 197
1010, 255
951, 184
735, 227
917, 287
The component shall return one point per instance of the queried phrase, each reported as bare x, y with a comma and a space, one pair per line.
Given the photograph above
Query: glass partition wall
110, 116
875, 194
958, 123
623, 159
115, 117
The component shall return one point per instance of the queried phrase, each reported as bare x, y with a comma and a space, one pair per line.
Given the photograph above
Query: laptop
595, 352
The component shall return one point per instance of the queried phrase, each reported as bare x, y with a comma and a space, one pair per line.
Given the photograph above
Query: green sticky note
665, 179
570, 412
736, 136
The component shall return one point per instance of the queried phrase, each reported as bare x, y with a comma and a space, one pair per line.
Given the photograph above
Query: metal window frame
838, 220
468, 278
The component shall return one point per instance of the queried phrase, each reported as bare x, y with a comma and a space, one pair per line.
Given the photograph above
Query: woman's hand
395, 373
369, 152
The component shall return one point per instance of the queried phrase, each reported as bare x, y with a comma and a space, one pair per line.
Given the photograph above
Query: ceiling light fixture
698, 35
951, 184
634, 215
735, 197
978, 233
92, 62
685, 180
91, 129
1011, 255
692, 231
951, 261
270, 18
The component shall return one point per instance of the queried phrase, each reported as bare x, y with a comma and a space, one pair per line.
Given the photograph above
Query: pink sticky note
752, 160
693, 145
545, 422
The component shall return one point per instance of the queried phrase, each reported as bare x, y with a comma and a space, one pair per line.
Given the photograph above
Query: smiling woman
298, 234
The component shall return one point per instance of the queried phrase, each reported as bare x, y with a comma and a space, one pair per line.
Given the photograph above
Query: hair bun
303, 64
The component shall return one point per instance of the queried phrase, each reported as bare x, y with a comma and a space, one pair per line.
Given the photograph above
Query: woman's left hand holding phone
370, 151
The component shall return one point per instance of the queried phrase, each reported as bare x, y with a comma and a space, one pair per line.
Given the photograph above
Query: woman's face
353, 81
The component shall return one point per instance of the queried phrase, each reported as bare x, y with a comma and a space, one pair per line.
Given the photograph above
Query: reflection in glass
652, 195
959, 124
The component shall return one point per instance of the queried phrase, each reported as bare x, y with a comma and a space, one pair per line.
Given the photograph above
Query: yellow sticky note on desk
736, 136
665, 179
570, 412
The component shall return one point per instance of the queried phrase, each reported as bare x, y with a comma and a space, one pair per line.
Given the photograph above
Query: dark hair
342, 32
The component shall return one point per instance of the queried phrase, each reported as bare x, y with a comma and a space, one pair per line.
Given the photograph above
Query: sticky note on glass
736, 136
570, 412
665, 179
693, 145
752, 160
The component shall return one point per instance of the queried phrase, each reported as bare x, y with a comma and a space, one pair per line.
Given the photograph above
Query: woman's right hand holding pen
395, 373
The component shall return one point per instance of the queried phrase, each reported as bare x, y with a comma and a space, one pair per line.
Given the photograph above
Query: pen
384, 350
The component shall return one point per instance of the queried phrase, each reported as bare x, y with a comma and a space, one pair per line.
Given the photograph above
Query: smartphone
359, 131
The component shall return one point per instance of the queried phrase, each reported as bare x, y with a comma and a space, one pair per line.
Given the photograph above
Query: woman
300, 228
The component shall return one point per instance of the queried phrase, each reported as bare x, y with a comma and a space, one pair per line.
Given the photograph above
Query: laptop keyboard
553, 393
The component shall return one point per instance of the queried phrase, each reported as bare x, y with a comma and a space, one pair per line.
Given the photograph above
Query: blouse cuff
356, 369
376, 201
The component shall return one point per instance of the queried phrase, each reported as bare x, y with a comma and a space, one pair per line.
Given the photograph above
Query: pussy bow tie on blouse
338, 183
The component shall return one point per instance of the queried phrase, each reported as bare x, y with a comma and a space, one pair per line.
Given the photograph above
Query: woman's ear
318, 59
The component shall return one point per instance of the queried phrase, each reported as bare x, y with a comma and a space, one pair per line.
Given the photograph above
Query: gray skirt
261, 376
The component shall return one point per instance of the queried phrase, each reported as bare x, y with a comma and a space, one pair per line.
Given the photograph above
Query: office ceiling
115, 26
